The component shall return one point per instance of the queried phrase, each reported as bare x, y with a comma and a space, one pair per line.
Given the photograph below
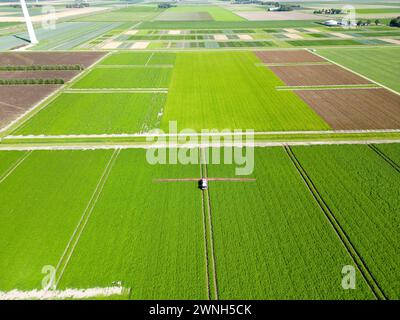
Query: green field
392, 151
141, 235
153, 243
149, 77
217, 13
96, 113
228, 90
7, 160
379, 64
139, 58
377, 10
132, 13
297, 254
44, 204
358, 187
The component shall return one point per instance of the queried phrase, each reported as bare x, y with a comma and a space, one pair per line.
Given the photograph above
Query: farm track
356, 257
14, 166
213, 284
69, 250
387, 159
203, 211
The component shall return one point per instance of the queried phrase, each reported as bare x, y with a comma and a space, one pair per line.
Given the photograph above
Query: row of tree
367, 22
34, 67
30, 81
328, 11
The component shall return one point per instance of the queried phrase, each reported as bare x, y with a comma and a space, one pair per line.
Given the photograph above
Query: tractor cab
203, 184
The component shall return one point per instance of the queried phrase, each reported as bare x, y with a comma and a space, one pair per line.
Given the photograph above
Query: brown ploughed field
49, 58
15, 100
355, 109
288, 56
317, 75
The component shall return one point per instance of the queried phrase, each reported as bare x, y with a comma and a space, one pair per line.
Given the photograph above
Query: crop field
16, 99
200, 151
91, 113
140, 58
28, 225
358, 187
297, 247
283, 260
210, 90
121, 77
316, 75
355, 108
215, 13
379, 64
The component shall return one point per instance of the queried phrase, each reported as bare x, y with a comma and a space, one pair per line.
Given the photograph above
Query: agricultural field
210, 90
200, 151
121, 77
379, 64
42, 73
91, 113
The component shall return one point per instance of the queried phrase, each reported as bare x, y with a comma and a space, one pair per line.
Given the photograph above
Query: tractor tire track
14, 166
350, 248
210, 225
387, 159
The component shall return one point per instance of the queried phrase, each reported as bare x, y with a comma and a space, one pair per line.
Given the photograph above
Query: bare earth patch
15, 100
288, 56
312, 75
49, 58
358, 109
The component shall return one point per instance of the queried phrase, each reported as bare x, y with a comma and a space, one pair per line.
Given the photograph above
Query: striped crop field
202, 157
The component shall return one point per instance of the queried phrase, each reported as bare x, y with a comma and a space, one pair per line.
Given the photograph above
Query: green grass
227, 90
271, 239
96, 113
7, 159
379, 64
359, 188
45, 198
150, 77
139, 58
147, 235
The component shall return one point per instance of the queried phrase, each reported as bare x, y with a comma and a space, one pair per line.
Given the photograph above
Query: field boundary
113, 146
386, 158
63, 294
350, 248
14, 166
222, 134
69, 250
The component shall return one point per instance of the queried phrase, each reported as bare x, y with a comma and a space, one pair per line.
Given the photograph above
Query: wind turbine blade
28, 21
